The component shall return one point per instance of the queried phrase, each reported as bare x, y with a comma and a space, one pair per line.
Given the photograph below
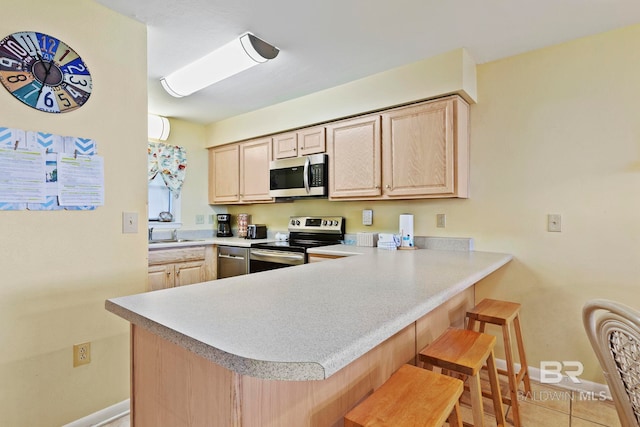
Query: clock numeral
48, 46
80, 82
49, 100
73, 92
17, 78
15, 48
30, 43
65, 101
66, 52
10, 64
28, 93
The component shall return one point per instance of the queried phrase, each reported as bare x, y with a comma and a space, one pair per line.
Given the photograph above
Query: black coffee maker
224, 225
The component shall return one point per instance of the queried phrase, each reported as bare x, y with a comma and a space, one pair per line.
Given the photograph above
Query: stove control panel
317, 224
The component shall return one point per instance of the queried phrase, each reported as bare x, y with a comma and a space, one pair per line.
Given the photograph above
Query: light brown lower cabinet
173, 386
169, 268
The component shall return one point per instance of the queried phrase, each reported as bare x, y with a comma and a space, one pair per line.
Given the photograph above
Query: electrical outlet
199, 219
81, 354
554, 222
441, 220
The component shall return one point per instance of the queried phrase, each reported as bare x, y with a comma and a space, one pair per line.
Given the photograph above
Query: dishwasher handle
230, 256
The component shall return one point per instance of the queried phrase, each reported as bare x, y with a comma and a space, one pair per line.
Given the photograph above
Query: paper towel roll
406, 230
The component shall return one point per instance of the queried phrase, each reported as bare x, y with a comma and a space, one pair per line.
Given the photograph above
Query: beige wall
451, 72
554, 131
59, 267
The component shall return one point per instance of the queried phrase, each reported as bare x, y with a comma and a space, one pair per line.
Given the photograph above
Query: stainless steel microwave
299, 177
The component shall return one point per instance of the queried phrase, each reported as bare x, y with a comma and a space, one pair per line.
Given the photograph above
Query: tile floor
545, 407
551, 407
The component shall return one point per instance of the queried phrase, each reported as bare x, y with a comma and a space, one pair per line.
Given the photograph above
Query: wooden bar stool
506, 315
466, 352
411, 397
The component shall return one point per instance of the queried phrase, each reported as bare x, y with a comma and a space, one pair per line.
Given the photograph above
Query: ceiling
330, 42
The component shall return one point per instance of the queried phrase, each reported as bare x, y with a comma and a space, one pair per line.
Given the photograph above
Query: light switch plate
441, 220
129, 222
367, 216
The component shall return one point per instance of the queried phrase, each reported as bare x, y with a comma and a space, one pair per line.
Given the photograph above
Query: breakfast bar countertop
309, 321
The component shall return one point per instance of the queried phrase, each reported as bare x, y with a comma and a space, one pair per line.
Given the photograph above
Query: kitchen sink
156, 241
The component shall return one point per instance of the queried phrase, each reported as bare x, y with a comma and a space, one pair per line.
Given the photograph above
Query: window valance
171, 162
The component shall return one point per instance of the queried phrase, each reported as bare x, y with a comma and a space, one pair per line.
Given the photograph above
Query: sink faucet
150, 233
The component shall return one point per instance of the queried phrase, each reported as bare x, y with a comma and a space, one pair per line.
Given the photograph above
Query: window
161, 200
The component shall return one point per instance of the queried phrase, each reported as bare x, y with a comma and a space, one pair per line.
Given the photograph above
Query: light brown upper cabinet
354, 153
425, 150
424, 153
302, 142
254, 170
239, 173
224, 174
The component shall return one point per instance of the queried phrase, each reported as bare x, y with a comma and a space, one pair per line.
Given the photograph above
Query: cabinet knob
168, 273
387, 186
377, 186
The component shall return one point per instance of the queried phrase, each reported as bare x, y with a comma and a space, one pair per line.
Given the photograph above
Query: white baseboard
103, 416
587, 388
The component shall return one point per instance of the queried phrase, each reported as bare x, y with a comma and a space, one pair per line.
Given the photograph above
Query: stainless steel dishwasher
232, 261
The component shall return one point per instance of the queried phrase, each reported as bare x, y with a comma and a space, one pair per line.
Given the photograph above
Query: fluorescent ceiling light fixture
232, 58
158, 127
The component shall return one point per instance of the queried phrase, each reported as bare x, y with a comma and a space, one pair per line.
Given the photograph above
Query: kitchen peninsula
297, 346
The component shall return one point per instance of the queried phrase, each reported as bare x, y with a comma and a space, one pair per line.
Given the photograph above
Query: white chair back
614, 332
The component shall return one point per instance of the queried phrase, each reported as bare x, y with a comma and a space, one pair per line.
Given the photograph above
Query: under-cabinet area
409, 152
172, 267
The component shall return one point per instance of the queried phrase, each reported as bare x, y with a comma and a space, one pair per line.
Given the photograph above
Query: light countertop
220, 241
309, 321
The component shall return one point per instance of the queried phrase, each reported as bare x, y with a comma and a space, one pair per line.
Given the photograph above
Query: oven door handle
275, 256
307, 163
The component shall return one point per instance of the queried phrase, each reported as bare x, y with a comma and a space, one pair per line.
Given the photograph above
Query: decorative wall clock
43, 72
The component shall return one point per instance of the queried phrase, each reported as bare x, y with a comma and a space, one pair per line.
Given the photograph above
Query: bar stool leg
513, 385
476, 401
455, 418
523, 359
495, 385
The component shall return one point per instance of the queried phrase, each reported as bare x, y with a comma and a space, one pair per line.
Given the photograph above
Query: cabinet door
254, 170
160, 277
224, 174
354, 158
311, 141
187, 273
285, 145
418, 150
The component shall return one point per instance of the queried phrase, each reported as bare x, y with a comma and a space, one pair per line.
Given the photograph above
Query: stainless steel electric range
304, 232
